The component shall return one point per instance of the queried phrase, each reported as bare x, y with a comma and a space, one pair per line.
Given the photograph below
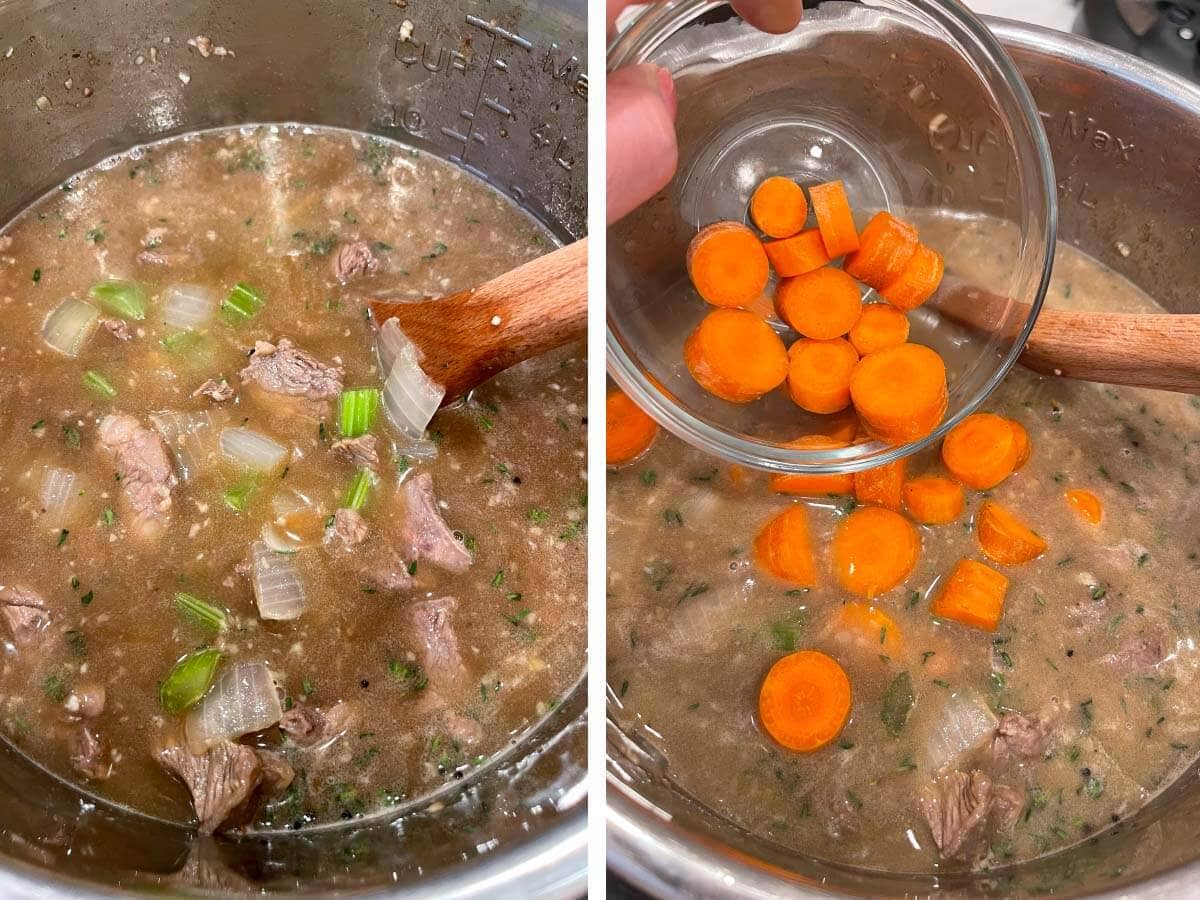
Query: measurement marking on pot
497, 31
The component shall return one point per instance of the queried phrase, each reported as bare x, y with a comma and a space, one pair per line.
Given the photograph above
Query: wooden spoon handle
470, 336
1137, 350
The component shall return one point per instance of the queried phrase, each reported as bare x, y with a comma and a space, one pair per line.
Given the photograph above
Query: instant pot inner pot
1126, 145
499, 88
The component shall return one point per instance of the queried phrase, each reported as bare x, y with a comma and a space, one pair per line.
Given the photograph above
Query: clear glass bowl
916, 108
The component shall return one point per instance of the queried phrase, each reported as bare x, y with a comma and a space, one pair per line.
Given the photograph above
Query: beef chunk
353, 261
1137, 654
222, 780
387, 573
349, 529
285, 369
426, 535
86, 700
308, 725
118, 328
147, 474
1024, 737
90, 754
24, 612
965, 810
278, 773
217, 391
362, 451
431, 620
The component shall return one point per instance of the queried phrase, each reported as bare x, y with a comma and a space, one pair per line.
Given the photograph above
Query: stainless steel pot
1126, 144
500, 88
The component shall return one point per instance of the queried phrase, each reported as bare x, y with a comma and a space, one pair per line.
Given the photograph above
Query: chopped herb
562, 423
322, 246
854, 800
37, 276
94, 235
76, 641
1128, 488
62, 537
706, 475
518, 617
693, 707
693, 589
1039, 599
108, 517
307, 687
498, 578
200, 612
411, 676
1085, 709
98, 383
925, 656
786, 631
848, 507
189, 680
673, 517
55, 687
38, 425
624, 688
86, 599
1093, 787
898, 701
570, 532
403, 465
71, 437
914, 598
1103, 472
537, 515
438, 249
1005, 658
906, 764
845, 744
242, 304
1065, 561
1098, 591
998, 681
941, 683
74, 582
649, 477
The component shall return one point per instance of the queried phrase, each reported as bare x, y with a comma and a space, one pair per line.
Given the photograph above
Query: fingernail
666, 89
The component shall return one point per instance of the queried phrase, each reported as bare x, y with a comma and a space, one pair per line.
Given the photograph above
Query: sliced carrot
735, 355
628, 432
778, 207
874, 549
819, 374
880, 326
834, 219
821, 305
842, 426
814, 485
900, 393
798, 254
804, 701
1087, 504
981, 451
886, 246
973, 595
783, 547
869, 627
933, 500
1021, 438
882, 485
1005, 538
727, 264
917, 281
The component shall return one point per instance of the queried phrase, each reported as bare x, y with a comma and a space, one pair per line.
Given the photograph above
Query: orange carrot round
1087, 504
917, 281
1005, 538
798, 254
804, 701
735, 355
778, 207
981, 451
882, 485
821, 305
933, 500
874, 549
819, 374
973, 594
727, 264
628, 432
783, 547
886, 246
814, 485
880, 326
900, 393
1021, 439
834, 219
869, 627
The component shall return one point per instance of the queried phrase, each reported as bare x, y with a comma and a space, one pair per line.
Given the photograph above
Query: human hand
640, 115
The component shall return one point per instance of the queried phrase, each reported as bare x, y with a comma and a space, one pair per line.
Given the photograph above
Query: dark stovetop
1164, 33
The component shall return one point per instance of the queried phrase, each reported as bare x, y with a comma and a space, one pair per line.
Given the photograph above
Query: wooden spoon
1132, 349
470, 336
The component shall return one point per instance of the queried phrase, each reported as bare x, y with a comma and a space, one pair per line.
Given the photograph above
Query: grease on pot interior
228, 562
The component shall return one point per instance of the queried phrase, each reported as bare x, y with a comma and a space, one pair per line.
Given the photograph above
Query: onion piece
278, 588
192, 436
243, 699
252, 450
962, 723
189, 307
410, 397
422, 448
279, 540
58, 493
70, 325
298, 523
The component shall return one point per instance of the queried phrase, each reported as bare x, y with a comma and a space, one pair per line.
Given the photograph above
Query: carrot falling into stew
874, 549
1087, 504
819, 374
804, 701
880, 326
821, 305
778, 207
900, 393
882, 485
783, 548
886, 246
628, 432
933, 500
735, 355
973, 595
981, 450
797, 255
817, 485
727, 264
1005, 538
917, 281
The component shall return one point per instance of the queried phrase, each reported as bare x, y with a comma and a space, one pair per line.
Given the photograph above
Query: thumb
640, 121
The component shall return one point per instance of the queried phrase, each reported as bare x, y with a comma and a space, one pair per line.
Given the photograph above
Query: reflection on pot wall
499, 88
